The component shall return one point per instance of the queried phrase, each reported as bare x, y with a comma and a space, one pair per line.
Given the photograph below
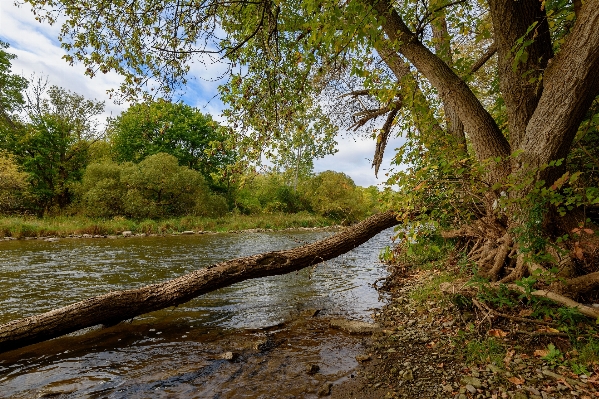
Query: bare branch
484, 58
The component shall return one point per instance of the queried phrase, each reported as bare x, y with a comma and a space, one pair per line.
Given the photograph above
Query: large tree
177, 129
52, 141
497, 110
11, 89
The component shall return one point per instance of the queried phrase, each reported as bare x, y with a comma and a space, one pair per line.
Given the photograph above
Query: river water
275, 326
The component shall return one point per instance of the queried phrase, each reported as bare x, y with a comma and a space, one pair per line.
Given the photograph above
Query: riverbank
440, 338
79, 226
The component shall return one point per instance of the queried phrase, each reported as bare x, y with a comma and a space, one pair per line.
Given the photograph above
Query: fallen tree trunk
114, 307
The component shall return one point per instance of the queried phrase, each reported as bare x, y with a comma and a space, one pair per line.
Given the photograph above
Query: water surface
177, 352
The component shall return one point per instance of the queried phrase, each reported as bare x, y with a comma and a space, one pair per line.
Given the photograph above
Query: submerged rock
231, 356
312, 368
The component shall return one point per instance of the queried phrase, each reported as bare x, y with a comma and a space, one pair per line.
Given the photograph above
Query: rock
355, 327
325, 389
188, 232
408, 375
87, 236
127, 233
310, 313
52, 239
475, 382
231, 356
312, 368
471, 389
362, 358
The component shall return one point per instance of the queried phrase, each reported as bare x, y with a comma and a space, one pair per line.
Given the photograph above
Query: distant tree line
157, 159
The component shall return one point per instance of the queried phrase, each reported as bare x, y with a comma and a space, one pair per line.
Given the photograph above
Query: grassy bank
63, 226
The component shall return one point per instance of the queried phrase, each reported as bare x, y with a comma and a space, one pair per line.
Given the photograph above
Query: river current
275, 326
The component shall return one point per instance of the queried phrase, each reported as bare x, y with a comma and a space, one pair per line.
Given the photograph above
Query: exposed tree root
497, 256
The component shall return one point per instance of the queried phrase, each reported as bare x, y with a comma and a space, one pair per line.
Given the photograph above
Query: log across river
70, 272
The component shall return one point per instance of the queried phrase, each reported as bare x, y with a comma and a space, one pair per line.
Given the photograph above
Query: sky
38, 50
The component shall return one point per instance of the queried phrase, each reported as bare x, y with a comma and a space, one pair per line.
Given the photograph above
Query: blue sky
38, 51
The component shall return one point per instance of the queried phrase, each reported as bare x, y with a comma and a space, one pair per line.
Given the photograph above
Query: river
276, 327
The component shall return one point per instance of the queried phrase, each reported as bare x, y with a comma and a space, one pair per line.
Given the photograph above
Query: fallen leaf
589, 231
578, 251
525, 312
548, 329
524, 356
541, 352
516, 380
508, 357
496, 332
440, 365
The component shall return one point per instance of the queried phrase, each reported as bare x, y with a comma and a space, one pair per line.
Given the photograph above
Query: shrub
13, 184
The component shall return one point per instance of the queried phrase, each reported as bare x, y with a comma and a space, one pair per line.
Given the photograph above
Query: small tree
11, 90
335, 195
158, 186
13, 184
52, 145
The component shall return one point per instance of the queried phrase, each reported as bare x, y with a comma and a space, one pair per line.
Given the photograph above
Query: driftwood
114, 307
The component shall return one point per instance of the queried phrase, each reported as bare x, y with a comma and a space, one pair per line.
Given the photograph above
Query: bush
101, 192
157, 187
335, 195
14, 185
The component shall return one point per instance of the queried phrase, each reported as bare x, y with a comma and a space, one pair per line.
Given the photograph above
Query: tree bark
442, 40
113, 307
486, 137
571, 83
520, 84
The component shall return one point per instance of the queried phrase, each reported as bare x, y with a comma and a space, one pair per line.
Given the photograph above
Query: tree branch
484, 58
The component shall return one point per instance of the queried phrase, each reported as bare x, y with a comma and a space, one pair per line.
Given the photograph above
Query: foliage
334, 194
13, 184
157, 187
11, 89
268, 193
101, 192
177, 129
52, 145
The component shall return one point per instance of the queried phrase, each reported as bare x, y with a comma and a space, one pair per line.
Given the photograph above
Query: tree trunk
113, 307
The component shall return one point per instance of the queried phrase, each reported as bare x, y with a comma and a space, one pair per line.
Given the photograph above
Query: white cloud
355, 159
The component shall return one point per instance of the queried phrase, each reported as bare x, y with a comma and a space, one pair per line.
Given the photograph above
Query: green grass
430, 290
62, 226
